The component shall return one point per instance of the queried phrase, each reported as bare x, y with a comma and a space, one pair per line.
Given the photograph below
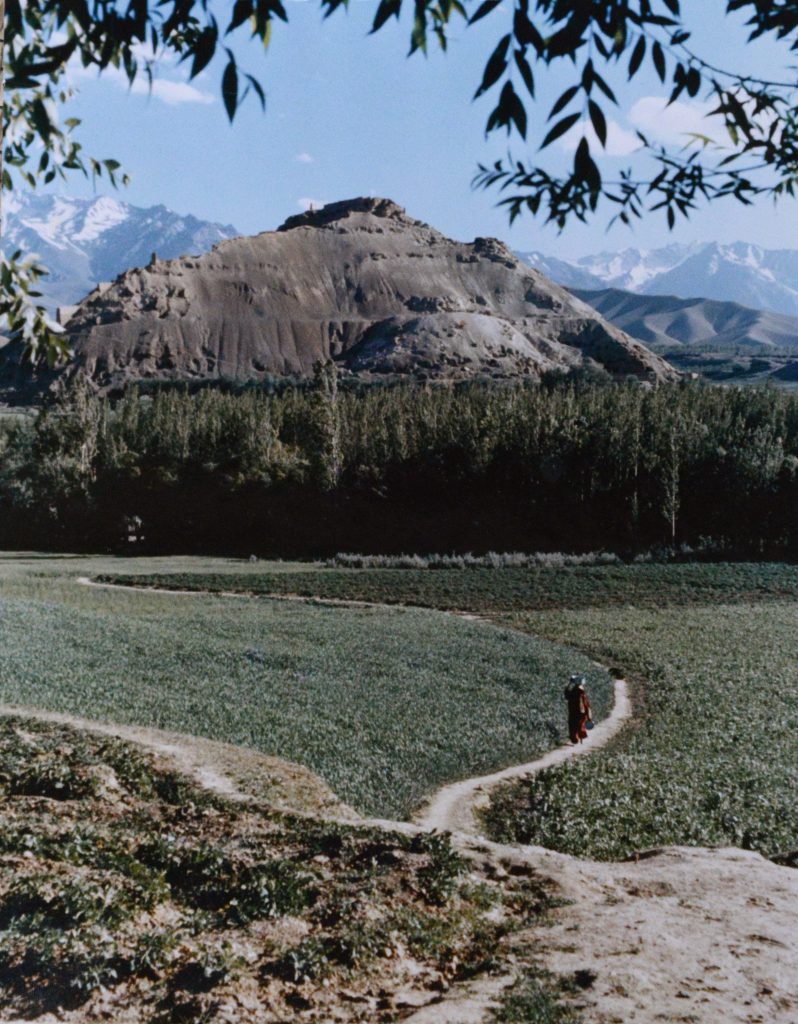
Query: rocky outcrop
359, 282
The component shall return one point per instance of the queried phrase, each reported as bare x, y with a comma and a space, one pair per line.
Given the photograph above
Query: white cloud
620, 142
304, 158
306, 203
164, 89
171, 92
675, 124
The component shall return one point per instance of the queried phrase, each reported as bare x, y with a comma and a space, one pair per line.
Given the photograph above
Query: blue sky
349, 115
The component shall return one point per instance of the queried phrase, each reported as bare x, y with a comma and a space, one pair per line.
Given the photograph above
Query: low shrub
492, 560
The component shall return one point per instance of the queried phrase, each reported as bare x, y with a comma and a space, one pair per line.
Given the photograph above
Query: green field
712, 651
713, 760
384, 704
508, 589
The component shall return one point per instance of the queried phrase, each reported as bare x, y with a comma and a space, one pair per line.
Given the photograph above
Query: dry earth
359, 282
680, 935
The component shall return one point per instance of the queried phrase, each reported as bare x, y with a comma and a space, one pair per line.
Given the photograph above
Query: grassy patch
173, 911
713, 759
506, 589
384, 704
535, 998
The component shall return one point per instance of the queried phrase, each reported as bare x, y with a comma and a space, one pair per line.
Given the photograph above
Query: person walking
578, 708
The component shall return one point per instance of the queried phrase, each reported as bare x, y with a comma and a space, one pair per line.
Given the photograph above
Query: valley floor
683, 934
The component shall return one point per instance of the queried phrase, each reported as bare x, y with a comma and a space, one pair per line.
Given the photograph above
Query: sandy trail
453, 807
682, 935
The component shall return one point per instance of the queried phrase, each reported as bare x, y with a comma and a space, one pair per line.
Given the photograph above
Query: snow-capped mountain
85, 241
740, 272
570, 275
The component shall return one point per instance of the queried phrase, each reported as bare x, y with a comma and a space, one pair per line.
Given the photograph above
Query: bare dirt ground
682, 935
237, 773
689, 935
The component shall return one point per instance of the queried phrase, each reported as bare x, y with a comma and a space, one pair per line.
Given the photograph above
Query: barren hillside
359, 282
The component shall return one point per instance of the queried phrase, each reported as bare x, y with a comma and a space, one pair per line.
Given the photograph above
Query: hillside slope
359, 282
665, 321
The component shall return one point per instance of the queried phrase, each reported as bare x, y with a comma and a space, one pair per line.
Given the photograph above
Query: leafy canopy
600, 39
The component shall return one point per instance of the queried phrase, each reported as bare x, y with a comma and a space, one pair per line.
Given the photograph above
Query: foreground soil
129, 892
680, 935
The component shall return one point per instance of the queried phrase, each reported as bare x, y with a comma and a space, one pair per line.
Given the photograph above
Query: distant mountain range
664, 322
85, 241
765, 279
721, 341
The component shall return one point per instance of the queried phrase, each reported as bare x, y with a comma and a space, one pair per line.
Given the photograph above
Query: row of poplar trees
315, 469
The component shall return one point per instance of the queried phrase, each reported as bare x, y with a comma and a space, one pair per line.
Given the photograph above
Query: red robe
578, 713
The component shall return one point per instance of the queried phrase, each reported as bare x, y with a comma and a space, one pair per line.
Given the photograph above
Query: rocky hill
359, 282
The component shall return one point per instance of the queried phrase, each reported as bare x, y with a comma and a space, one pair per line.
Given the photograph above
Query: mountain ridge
359, 282
765, 279
84, 242
666, 321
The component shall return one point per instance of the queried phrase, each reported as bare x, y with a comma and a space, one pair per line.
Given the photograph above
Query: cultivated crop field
505, 589
711, 650
384, 704
713, 760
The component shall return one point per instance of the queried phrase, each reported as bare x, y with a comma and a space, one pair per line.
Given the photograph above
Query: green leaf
496, 66
203, 51
386, 10
560, 128
598, 121
230, 87
659, 61
242, 11
482, 11
563, 101
525, 71
585, 166
638, 54
525, 31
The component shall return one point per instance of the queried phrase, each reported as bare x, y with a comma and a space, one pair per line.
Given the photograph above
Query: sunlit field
711, 651
713, 759
384, 704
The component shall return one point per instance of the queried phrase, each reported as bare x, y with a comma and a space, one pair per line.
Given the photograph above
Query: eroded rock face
358, 282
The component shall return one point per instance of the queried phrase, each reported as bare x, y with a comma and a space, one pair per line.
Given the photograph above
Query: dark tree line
318, 469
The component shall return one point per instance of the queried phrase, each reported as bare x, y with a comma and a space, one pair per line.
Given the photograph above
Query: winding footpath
453, 808
678, 934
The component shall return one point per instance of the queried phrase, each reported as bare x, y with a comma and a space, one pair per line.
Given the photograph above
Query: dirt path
680, 935
453, 807
237, 773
